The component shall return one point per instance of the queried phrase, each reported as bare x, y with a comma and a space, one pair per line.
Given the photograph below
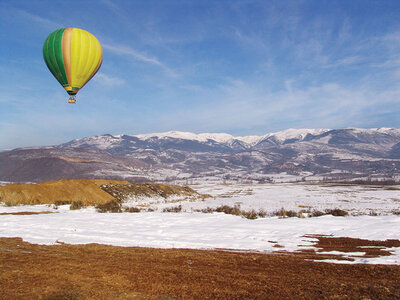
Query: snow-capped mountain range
305, 153
281, 137
105, 141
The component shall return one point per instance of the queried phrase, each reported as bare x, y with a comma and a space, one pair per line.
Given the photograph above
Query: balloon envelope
73, 56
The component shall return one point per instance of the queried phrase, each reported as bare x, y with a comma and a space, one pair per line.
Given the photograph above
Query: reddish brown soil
22, 213
345, 244
105, 272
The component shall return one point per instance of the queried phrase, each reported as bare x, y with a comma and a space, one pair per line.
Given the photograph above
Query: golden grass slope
86, 191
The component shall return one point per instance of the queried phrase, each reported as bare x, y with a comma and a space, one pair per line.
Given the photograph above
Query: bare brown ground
346, 244
25, 213
106, 272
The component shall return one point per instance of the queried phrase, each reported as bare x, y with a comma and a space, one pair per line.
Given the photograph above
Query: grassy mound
121, 191
84, 191
106, 195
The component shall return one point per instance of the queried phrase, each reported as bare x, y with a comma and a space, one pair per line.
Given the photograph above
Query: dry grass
106, 272
283, 213
235, 210
132, 209
122, 191
106, 195
86, 191
337, 212
112, 206
174, 209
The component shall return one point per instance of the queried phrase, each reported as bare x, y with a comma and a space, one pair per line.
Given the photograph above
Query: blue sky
240, 67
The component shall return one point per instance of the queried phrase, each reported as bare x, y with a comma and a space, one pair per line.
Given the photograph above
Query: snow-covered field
189, 229
355, 199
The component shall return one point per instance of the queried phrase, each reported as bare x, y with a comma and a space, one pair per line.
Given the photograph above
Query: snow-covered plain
189, 229
355, 199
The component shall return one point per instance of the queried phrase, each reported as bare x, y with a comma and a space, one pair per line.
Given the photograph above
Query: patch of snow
295, 133
194, 230
189, 229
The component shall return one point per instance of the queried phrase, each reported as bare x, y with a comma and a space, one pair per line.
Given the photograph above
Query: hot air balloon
73, 56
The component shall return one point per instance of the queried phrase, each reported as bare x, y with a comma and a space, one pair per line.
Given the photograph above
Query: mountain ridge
303, 153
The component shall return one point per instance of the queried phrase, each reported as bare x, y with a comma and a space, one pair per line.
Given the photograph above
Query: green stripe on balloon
52, 53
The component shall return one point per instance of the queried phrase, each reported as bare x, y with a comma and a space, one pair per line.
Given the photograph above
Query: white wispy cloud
345, 61
128, 51
111, 5
239, 104
108, 80
139, 56
38, 19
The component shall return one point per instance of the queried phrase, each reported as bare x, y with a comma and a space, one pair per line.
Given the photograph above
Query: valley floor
94, 271
77, 254
198, 230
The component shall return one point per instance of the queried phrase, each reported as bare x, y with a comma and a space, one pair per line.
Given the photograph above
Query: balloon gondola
73, 56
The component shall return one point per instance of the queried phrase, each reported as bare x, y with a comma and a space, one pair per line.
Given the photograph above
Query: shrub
132, 209
112, 206
262, 213
76, 205
229, 210
337, 212
317, 213
252, 215
61, 202
235, 210
291, 214
11, 203
207, 210
173, 209
283, 213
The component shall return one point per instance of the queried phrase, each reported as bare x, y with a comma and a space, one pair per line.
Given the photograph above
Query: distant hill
87, 192
306, 153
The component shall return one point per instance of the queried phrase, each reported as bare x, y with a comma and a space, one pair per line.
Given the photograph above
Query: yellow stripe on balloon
98, 56
86, 56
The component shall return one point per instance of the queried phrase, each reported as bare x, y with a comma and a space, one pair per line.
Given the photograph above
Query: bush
252, 215
337, 212
291, 214
229, 210
175, 209
112, 206
235, 210
132, 209
283, 213
76, 205
262, 213
207, 210
61, 202
317, 213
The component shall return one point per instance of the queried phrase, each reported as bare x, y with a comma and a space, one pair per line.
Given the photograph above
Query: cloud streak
108, 80
40, 20
130, 52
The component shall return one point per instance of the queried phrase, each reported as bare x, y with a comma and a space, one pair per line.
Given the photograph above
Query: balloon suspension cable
71, 99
